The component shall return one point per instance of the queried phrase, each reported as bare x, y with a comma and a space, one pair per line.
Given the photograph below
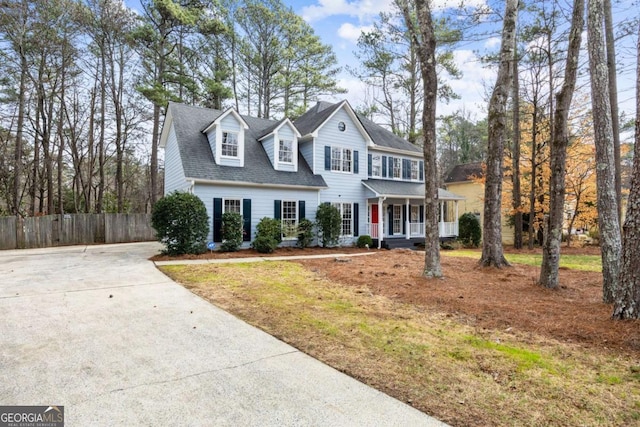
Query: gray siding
262, 201
268, 145
343, 187
174, 178
306, 149
211, 137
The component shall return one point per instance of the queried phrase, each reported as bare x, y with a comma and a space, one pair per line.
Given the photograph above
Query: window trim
281, 141
340, 206
397, 161
416, 170
237, 144
341, 159
296, 204
224, 204
373, 174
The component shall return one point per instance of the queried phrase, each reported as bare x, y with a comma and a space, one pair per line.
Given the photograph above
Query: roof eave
256, 184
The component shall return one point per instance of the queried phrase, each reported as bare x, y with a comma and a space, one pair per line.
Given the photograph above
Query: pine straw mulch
507, 298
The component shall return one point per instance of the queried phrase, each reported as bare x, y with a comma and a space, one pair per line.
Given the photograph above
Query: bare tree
423, 35
559, 143
492, 252
627, 304
515, 177
608, 220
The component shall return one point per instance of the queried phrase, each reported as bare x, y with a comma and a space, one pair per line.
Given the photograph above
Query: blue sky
339, 22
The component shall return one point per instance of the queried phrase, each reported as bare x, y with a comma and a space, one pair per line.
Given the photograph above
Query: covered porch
395, 210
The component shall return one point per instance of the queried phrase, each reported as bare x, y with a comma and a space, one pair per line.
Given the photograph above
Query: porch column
380, 222
440, 223
456, 219
408, 222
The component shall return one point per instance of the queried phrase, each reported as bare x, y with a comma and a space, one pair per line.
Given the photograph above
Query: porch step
400, 243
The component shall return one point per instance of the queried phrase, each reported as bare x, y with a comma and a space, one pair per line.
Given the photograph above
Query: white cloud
492, 42
351, 32
364, 10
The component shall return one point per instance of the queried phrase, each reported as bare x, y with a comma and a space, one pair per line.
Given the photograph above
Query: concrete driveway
101, 331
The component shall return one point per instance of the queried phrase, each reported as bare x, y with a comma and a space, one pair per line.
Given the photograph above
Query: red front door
374, 214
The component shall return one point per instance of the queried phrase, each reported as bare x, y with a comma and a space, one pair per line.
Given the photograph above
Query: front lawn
480, 347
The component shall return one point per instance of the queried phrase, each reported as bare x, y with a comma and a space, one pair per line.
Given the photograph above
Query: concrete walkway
101, 331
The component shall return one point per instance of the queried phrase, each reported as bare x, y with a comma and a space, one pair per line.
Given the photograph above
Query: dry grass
425, 343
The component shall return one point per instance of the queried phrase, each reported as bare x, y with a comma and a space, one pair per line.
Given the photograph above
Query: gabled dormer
226, 136
280, 142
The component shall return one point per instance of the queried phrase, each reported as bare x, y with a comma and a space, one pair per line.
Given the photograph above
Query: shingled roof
388, 188
197, 158
318, 114
465, 172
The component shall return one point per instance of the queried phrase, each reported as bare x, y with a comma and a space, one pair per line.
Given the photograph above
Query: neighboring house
466, 181
285, 170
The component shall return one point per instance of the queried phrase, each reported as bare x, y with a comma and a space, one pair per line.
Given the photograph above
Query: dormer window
285, 151
229, 144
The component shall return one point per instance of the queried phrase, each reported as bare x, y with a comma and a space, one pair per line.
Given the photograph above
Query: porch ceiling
405, 190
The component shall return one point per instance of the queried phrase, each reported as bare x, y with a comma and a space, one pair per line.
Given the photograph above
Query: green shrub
181, 223
231, 231
329, 224
268, 235
270, 227
264, 244
470, 233
305, 233
364, 241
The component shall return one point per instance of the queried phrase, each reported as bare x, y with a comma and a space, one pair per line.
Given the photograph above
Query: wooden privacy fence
74, 229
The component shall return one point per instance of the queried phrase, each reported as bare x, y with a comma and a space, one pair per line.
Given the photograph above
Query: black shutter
246, 217
355, 162
390, 219
421, 219
404, 220
421, 168
217, 220
277, 209
384, 166
356, 220
327, 158
301, 210
391, 173
406, 169
369, 165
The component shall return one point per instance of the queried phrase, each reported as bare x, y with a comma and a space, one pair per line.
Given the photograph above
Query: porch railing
372, 230
416, 229
448, 229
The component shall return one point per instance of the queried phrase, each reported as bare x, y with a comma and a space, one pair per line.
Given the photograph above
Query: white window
232, 205
341, 159
414, 170
376, 165
285, 151
397, 167
229, 144
289, 219
346, 212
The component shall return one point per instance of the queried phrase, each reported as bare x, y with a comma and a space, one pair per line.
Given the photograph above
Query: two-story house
285, 170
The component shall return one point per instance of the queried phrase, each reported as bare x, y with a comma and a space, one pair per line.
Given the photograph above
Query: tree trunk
613, 98
608, 220
492, 253
517, 197
534, 165
551, 251
425, 42
627, 304
17, 199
